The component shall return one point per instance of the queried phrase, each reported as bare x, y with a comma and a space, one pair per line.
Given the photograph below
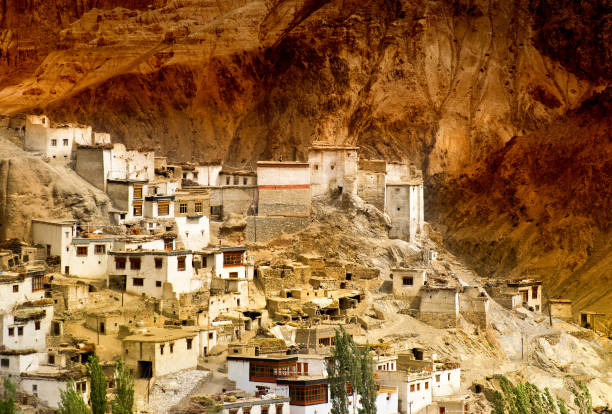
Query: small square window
158, 283
4, 362
100, 249
172, 347
159, 262
20, 330
65, 142
81, 250
11, 331
15, 288
138, 281
54, 143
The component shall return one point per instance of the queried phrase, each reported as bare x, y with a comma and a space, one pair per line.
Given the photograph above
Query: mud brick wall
262, 228
284, 202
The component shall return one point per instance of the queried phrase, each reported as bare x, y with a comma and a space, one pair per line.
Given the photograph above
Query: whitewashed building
26, 327
404, 201
57, 141
47, 381
56, 236
16, 288
332, 168
145, 271
88, 257
158, 351
530, 291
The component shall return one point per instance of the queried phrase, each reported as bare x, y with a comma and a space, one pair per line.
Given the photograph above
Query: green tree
97, 380
7, 402
582, 398
367, 385
124, 391
337, 372
349, 365
71, 401
527, 398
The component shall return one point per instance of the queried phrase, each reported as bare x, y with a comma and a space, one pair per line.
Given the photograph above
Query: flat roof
275, 358
125, 181
150, 252
303, 380
160, 335
524, 282
322, 145
559, 300
283, 164
91, 240
57, 222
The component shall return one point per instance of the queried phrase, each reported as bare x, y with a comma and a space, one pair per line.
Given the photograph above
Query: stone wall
371, 188
474, 310
262, 228
438, 319
274, 279
90, 166
439, 307
284, 201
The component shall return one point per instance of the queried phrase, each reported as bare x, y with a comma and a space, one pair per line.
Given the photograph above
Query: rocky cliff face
446, 84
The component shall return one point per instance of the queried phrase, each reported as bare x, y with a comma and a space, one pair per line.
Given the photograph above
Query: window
232, 258
4, 363
135, 263
183, 208
438, 378
236, 180
37, 325
279, 409
180, 263
407, 281
157, 283
265, 409
171, 347
138, 191
419, 386
227, 181
426, 385
159, 262
37, 283
245, 181
65, 142
189, 342
161, 349
15, 288
204, 261
198, 207
534, 292
163, 208
210, 335
120, 262
54, 143
11, 331
195, 175
138, 281
449, 376
81, 250
138, 209
233, 275
51, 359
20, 330
411, 387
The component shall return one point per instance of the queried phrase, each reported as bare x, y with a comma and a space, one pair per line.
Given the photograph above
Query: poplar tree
7, 402
71, 401
124, 392
350, 365
367, 385
97, 380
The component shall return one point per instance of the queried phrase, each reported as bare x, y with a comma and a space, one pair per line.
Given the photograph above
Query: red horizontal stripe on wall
284, 187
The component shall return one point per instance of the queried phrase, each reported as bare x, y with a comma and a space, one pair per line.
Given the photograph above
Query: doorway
145, 369
102, 328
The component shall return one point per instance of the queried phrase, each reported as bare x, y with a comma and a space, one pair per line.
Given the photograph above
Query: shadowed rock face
446, 84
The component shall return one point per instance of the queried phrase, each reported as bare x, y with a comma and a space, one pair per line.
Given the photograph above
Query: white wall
446, 382
256, 408
238, 371
181, 279
194, 232
9, 298
155, 244
48, 389
279, 174
330, 169
59, 236
224, 272
93, 265
21, 363
208, 174
31, 338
